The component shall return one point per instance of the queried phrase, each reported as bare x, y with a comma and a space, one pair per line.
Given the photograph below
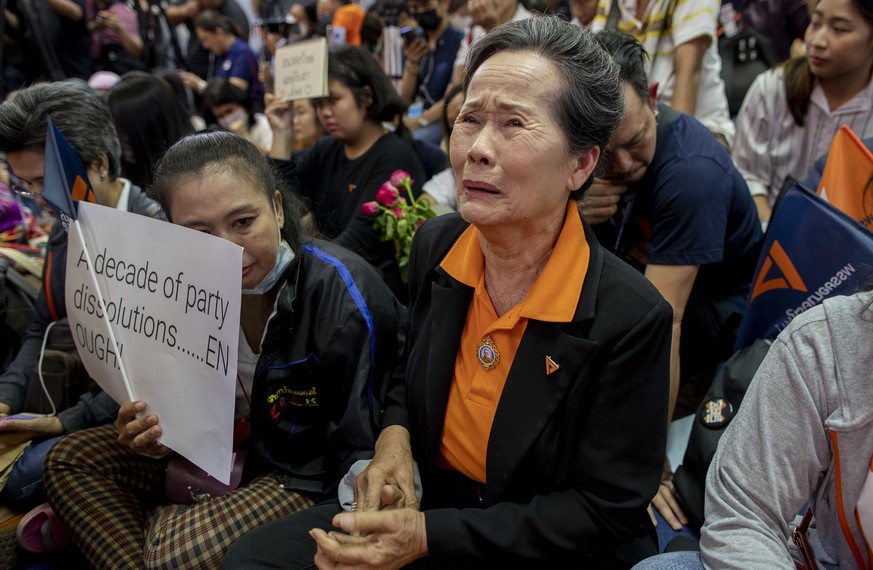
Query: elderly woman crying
535, 397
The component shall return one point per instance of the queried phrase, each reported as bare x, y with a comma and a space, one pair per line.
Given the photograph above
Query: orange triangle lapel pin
551, 365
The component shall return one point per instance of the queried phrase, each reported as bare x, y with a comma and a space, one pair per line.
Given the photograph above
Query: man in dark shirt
672, 204
429, 65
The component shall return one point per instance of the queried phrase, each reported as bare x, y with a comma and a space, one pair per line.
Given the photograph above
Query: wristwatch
422, 122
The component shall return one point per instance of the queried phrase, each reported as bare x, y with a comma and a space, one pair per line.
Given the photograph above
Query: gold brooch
487, 353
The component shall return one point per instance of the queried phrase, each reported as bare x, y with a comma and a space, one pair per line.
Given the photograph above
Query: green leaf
390, 224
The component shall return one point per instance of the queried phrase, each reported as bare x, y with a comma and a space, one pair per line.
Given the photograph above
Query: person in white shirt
792, 112
680, 38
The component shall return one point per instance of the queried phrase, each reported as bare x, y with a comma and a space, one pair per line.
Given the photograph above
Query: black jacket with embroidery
325, 366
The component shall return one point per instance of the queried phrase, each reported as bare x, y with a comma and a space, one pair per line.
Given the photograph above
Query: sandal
41, 530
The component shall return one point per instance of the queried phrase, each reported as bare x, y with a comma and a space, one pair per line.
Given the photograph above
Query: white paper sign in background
301, 70
172, 298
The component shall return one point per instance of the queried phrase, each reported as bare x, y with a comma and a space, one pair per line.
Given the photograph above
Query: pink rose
399, 178
387, 195
399, 213
369, 208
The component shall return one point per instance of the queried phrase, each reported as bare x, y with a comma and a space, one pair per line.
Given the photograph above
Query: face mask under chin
284, 257
229, 120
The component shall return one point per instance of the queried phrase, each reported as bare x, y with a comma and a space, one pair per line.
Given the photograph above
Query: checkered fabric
112, 504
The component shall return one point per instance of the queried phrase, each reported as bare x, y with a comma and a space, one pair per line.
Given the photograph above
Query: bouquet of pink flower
398, 217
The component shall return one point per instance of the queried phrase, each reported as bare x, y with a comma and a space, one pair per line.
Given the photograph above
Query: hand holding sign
140, 432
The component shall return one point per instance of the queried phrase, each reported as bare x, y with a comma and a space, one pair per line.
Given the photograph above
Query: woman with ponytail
792, 112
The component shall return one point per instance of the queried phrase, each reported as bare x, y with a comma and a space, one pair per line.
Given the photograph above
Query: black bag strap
668, 23
614, 14
666, 115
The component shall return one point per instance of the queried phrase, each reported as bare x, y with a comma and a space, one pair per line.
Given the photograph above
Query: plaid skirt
112, 504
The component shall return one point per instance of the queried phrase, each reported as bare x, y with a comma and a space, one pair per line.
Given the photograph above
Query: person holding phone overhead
430, 48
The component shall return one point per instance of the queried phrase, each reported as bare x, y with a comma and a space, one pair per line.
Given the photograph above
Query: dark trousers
284, 543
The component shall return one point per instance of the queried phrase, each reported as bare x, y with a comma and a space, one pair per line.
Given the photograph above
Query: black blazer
574, 457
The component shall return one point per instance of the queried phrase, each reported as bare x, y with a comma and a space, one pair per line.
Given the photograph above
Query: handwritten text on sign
301, 70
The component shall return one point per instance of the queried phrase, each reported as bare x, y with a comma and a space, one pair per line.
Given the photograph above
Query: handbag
714, 414
63, 376
187, 484
744, 56
798, 537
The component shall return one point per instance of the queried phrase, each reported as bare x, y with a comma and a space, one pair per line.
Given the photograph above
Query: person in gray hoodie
804, 433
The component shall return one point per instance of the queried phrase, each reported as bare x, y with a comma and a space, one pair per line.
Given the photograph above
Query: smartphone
415, 110
336, 36
408, 33
22, 416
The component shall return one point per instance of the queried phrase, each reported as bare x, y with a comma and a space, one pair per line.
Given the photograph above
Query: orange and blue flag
812, 251
65, 180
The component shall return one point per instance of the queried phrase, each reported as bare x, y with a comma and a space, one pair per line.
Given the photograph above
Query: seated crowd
499, 390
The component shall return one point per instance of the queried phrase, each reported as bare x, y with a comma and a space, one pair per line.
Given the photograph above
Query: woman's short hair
77, 111
219, 152
356, 68
149, 119
590, 104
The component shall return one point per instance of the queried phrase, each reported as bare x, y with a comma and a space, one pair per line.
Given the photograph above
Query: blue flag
64, 177
812, 251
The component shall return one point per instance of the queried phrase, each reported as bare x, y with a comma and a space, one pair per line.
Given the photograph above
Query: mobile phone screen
22, 416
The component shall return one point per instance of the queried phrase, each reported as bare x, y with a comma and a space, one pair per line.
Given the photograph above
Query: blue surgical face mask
284, 257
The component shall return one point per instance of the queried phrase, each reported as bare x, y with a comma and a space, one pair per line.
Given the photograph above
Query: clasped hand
378, 540
387, 530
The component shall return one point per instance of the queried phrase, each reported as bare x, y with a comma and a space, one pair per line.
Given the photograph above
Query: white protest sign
301, 70
172, 298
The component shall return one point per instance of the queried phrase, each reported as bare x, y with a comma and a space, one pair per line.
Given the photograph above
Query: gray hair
590, 104
78, 112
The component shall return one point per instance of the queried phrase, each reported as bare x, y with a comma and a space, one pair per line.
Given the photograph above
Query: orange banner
847, 180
